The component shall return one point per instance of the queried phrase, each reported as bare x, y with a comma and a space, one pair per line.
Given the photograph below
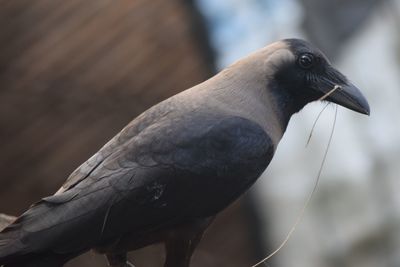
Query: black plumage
172, 169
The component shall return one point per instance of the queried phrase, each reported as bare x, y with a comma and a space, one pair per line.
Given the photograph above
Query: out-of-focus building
72, 74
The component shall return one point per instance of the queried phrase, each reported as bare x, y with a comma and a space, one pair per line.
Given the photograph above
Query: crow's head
306, 74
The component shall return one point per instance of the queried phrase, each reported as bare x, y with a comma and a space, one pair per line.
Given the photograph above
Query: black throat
286, 102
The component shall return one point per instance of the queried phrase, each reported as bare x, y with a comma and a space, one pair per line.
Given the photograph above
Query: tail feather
9, 233
37, 260
5, 220
33, 239
16, 250
10, 246
54, 230
15, 254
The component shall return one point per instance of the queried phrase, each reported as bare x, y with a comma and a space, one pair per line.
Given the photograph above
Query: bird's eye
306, 60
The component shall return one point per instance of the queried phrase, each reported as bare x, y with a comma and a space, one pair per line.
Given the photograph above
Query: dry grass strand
306, 203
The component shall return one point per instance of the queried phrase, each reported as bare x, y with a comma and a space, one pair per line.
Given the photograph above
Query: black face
310, 76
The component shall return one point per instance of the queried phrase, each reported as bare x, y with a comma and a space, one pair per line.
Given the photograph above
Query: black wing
174, 169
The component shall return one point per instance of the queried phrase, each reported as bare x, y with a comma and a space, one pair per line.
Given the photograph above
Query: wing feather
175, 169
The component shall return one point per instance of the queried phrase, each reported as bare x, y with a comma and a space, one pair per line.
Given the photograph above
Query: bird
172, 169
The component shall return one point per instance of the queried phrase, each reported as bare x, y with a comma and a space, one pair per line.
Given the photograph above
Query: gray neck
248, 95
245, 89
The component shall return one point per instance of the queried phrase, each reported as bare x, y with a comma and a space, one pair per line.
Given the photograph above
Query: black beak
350, 97
346, 94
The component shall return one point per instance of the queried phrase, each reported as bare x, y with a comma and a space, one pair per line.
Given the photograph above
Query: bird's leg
178, 252
118, 260
182, 241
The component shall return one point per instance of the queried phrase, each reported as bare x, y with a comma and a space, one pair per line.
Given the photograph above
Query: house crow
173, 168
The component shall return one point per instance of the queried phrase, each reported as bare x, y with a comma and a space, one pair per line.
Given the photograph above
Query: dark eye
306, 60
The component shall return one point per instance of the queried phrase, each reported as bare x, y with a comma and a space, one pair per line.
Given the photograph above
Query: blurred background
73, 73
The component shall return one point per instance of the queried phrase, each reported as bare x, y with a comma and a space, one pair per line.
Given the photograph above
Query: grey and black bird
173, 168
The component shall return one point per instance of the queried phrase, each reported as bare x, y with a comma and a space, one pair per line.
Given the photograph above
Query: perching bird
173, 168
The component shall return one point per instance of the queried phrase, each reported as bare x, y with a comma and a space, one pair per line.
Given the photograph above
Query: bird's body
167, 173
